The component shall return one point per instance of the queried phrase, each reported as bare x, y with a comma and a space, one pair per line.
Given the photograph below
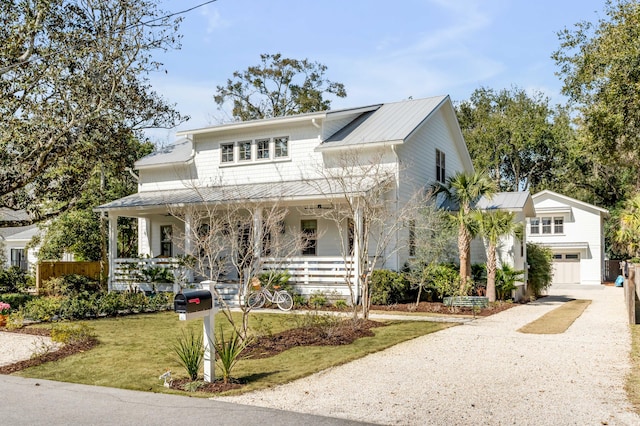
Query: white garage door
566, 268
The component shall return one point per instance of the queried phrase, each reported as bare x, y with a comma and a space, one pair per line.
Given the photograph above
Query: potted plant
5, 309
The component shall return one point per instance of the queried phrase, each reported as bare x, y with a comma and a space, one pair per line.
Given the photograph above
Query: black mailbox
192, 301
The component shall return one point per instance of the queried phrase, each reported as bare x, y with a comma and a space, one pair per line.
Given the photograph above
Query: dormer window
282, 147
244, 150
263, 149
227, 152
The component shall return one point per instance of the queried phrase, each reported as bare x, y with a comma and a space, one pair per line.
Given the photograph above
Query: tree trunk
464, 247
491, 273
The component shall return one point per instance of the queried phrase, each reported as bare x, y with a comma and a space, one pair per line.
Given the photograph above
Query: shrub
69, 285
72, 333
42, 308
388, 287
341, 304
228, 352
540, 273
318, 299
190, 352
16, 300
279, 278
13, 280
506, 278
444, 279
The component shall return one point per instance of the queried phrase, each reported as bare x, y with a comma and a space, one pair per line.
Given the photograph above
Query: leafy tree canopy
600, 66
515, 137
74, 89
277, 87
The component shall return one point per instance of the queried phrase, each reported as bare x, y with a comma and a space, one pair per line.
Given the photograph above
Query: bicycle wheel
284, 300
256, 299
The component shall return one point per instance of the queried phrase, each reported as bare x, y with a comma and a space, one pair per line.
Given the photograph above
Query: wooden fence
47, 270
631, 288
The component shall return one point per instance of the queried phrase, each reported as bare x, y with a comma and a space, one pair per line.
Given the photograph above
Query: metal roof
179, 152
511, 201
391, 123
274, 191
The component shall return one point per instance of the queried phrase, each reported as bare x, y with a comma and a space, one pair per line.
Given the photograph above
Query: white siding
581, 225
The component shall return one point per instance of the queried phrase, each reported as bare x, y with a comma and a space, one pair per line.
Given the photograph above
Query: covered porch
166, 237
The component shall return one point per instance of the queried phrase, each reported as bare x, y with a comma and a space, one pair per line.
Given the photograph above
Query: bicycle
260, 296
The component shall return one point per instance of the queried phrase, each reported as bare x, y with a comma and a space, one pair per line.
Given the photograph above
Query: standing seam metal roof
392, 122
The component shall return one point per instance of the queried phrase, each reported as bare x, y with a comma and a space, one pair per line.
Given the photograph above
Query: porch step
229, 293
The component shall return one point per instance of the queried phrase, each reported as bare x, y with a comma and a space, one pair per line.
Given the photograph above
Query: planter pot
3, 320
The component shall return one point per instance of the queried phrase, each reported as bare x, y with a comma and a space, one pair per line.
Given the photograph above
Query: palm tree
628, 234
493, 226
462, 191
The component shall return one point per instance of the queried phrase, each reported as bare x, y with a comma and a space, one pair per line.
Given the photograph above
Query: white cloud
213, 19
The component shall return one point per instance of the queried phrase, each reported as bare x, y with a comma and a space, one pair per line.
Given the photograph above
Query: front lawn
135, 350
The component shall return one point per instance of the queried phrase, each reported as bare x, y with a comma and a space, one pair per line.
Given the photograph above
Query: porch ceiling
259, 192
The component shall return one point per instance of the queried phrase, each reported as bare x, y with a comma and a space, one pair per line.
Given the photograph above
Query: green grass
135, 350
558, 320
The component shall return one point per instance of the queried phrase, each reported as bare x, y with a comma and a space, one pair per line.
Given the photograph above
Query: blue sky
382, 51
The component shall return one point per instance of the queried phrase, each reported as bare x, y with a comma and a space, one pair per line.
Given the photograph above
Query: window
412, 238
19, 259
558, 225
546, 225
245, 150
263, 149
572, 256
227, 152
282, 147
440, 166
557, 256
309, 231
166, 246
535, 225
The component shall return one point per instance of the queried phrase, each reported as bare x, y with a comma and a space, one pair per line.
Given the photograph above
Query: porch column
188, 242
144, 233
257, 232
113, 248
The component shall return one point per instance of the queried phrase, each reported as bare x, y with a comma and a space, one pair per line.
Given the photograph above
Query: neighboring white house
14, 241
274, 160
574, 231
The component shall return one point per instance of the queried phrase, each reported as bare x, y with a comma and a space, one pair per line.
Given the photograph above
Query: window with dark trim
166, 244
309, 230
19, 258
440, 166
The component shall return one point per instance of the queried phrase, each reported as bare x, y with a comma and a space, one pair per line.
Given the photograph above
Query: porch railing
127, 273
323, 271
308, 273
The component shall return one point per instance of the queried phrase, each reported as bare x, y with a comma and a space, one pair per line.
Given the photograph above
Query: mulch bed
63, 352
439, 308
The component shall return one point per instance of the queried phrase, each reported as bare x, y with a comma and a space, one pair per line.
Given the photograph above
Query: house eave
379, 144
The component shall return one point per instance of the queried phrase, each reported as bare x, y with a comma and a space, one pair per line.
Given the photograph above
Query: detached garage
574, 231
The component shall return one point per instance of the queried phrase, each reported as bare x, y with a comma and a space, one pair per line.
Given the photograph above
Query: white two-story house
282, 160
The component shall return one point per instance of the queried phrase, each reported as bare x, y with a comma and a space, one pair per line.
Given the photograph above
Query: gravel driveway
483, 372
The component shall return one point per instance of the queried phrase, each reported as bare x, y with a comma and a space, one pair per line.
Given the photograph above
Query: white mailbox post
200, 304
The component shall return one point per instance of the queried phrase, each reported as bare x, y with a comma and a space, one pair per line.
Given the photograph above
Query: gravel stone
483, 372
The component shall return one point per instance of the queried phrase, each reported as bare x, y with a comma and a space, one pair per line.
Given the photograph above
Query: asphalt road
34, 401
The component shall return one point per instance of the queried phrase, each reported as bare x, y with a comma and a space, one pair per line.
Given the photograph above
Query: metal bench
467, 301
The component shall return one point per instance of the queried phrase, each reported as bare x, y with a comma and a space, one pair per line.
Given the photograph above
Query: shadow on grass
257, 376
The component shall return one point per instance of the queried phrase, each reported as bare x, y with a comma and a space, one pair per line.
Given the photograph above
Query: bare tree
236, 238
368, 213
